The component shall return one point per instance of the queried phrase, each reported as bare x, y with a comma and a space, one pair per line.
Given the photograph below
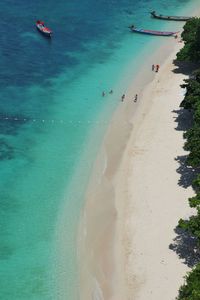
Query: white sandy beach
153, 200
135, 200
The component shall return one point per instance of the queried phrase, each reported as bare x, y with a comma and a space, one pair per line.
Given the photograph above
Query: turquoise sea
52, 120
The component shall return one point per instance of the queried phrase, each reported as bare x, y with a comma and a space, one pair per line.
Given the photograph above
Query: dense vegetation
191, 290
191, 37
191, 52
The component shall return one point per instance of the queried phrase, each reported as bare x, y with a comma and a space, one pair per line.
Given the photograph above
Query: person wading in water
123, 97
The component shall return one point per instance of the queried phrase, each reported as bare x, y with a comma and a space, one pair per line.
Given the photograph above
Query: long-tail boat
152, 32
169, 18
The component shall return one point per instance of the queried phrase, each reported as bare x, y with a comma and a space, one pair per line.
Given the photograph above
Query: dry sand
136, 197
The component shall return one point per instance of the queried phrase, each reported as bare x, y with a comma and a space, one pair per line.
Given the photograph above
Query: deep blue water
50, 97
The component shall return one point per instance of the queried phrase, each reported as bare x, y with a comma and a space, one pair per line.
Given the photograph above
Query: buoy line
35, 120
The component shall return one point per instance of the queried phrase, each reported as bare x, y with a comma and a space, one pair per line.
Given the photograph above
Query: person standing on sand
136, 97
123, 97
157, 68
153, 67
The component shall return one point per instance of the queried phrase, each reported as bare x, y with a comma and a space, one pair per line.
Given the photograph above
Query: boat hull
152, 32
169, 18
44, 32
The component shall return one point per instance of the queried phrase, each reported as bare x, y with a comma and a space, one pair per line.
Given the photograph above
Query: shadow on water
6, 150
185, 246
9, 207
45, 37
11, 124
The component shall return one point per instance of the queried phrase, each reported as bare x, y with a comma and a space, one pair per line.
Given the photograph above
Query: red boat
43, 29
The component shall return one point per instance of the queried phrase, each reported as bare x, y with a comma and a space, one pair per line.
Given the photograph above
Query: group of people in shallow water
154, 68
103, 93
122, 97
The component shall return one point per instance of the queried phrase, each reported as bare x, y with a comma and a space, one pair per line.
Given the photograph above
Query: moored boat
43, 29
152, 32
169, 18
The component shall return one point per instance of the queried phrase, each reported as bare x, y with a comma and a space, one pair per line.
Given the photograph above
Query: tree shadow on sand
183, 118
187, 173
185, 68
185, 246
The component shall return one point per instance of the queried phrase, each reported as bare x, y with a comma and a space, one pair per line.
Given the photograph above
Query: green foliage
195, 201
191, 52
189, 30
191, 289
192, 95
193, 145
197, 112
192, 225
192, 101
191, 37
196, 183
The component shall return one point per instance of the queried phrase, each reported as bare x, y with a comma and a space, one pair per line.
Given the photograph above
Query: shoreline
154, 200
111, 266
103, 216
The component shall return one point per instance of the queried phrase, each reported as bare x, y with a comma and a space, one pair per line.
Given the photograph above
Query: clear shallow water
50, 101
